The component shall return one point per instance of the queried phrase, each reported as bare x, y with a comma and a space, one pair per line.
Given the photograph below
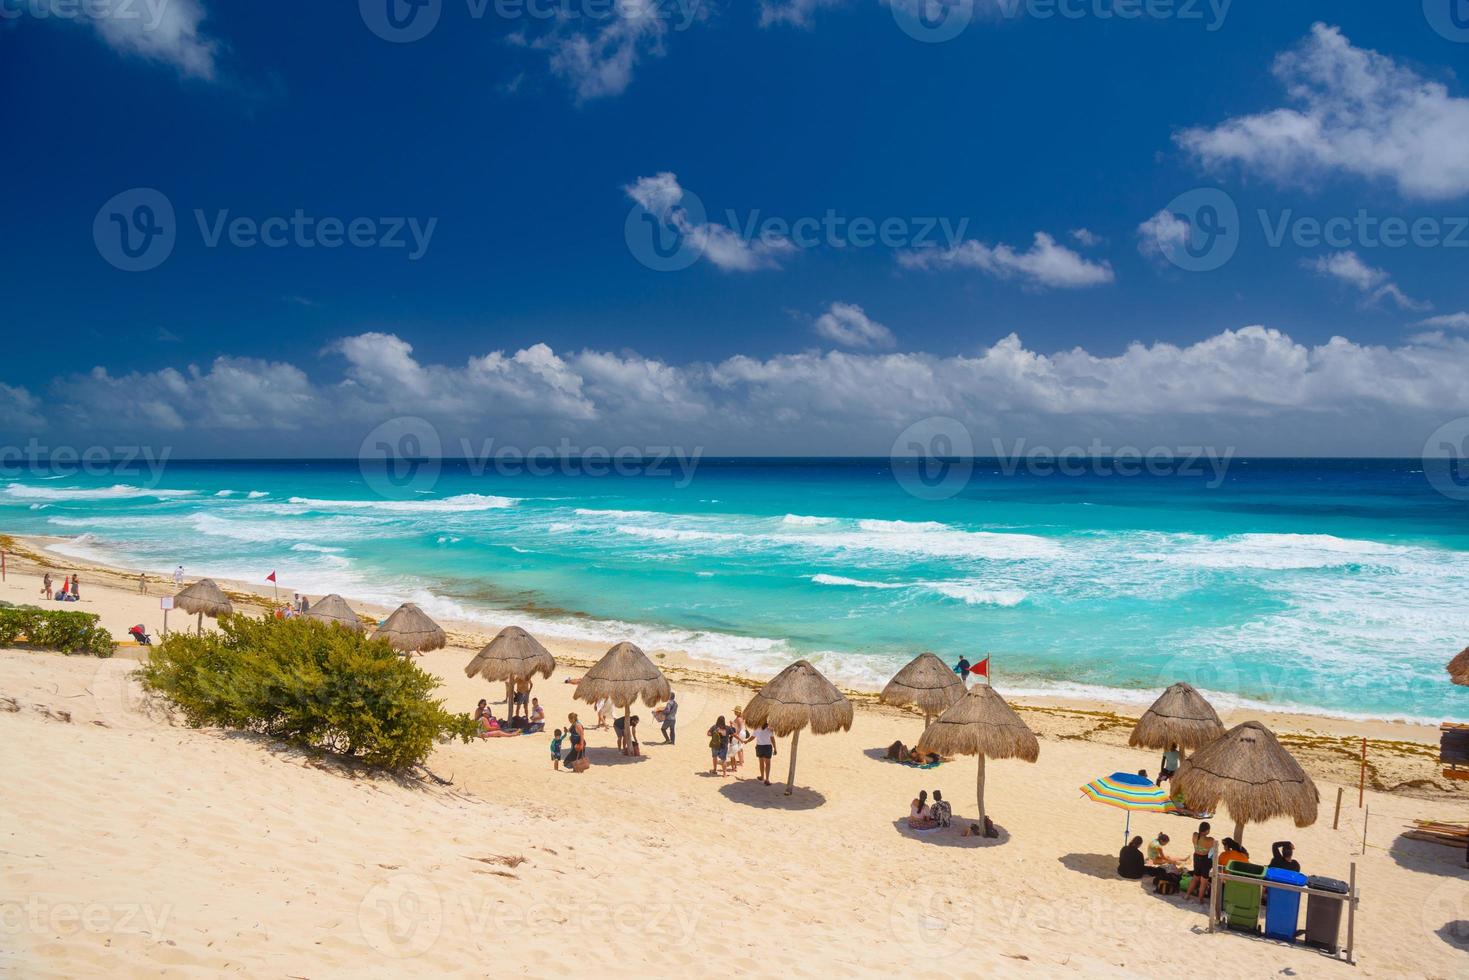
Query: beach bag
581, 764
1165, 886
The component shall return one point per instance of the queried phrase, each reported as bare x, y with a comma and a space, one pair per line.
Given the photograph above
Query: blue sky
520, 145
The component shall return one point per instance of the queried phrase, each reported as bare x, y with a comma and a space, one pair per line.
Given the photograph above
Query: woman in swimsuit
1203, 866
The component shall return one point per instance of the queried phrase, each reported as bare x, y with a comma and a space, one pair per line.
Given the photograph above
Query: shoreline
36, 550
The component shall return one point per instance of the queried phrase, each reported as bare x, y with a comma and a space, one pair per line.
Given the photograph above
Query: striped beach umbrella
1129, 791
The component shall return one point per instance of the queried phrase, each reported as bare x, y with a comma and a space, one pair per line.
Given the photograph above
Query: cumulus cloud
1353, 111
1086, 238
166, 31
596, 56
662, 196
19, 409
1254, 388
1045, 263
1376, 285
848, 325
1163, 234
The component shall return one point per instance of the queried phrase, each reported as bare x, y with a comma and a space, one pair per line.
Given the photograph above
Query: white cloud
1045, 264
794, 13
599, 61
1347, 267
1254, 388
167, 31
19, 409
848, 325
1452, 321
1085, 238
1356, 112
662, 195
1163, 234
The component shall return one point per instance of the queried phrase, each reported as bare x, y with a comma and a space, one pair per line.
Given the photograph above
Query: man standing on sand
670, 715
142, 584
76, 583
178, 577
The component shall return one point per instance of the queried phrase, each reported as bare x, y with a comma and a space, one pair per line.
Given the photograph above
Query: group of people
727, 741
70, 590
488, 726
1156, 863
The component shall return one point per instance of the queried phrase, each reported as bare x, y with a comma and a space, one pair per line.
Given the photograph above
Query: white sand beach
135, 846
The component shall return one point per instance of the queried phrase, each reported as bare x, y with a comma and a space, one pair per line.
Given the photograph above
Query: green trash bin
1241, 901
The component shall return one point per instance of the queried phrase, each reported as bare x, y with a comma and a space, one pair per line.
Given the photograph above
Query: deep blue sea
1336, 585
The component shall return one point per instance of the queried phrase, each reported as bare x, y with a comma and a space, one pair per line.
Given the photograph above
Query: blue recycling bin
1282, 907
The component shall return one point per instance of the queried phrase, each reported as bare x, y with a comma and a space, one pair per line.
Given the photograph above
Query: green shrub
55, 629
314, 684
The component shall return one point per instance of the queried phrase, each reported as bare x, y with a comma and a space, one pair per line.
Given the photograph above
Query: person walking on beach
670, 717
739, 734
46, 585
764, 750
142, 584
76, 584
178, 577
578, 736
718, 748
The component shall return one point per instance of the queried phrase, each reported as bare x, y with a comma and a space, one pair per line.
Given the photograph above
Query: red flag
270, 577
982, 668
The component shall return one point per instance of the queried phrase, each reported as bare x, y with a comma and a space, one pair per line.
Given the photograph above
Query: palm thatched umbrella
623, 675
334, 609
1179, 717
409, 630
1252, 775
982, 724
512, 656
204, 598
1459, 668
927, 683
796, 698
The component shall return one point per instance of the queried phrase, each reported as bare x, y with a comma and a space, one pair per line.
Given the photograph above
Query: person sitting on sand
943, 813
897, 752
1283, 855
1232, 851
1203, 866
556, 749
920, 815
1130, 863
1157, 856
537, 717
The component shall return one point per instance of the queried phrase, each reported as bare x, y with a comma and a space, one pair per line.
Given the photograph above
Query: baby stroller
143, 638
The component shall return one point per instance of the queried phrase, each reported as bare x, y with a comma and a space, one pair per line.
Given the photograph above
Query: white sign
166, 602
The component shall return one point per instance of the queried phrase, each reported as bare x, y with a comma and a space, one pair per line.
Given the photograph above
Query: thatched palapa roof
625, 675
1459, 668
927, 683
1179, 717
799, 697
1249, 772
410, 630
334, 609
513, 655
981, 723
204, 597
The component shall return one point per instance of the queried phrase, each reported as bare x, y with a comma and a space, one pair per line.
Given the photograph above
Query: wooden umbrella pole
626, 726
791, 776
1239, 832
979, 791
200, 629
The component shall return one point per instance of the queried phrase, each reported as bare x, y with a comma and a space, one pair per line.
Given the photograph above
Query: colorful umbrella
1129, 791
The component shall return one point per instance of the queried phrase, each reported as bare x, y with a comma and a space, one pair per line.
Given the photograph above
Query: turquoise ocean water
1335, 585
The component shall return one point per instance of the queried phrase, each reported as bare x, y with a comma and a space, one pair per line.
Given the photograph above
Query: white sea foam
316, 548
224, 493
973, 594
857, 583
460, 503
620, 514
257, 494
119, 491
800, 520
1279, 552
677, 534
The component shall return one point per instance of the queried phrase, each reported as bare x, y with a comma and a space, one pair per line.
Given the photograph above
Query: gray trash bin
1323, 912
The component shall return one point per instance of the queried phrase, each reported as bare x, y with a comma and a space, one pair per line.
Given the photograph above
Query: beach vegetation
55, 629
314, 684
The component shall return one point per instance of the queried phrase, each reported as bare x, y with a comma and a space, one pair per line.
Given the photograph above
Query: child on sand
556, 749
